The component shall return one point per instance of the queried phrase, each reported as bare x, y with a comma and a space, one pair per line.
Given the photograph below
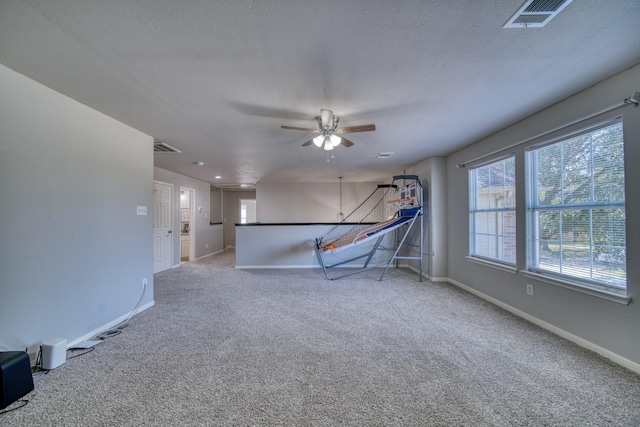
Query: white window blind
492, 211
576, 224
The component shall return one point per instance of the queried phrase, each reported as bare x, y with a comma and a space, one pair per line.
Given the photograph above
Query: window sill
610, 295
497, 265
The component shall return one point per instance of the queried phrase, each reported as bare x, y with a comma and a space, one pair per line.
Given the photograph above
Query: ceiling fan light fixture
335, 140
328, 146
318, 140
326, 118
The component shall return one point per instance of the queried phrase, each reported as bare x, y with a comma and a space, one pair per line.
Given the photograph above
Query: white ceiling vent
161, 147
236, 187
385, 155
536, 13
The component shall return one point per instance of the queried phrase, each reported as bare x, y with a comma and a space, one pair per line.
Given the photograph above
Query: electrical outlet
206, 246
529, 289
144, 283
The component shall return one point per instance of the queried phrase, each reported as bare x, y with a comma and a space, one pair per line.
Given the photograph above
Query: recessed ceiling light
218, 177
198, 163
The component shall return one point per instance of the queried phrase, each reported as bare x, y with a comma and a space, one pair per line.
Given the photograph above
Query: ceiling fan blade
308, 143
344, 141
297, 128
361, 128
327, 118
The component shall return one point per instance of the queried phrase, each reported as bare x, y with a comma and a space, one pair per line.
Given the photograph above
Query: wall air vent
536, 13
161, 147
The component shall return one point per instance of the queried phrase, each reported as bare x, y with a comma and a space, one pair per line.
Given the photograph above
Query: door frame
192, 222
171, 224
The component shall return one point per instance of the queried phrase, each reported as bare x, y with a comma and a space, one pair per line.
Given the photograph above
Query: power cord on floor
24, 403
72, 350
117, 330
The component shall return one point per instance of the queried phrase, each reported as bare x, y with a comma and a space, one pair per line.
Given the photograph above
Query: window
576, 208
247, 211
492, 211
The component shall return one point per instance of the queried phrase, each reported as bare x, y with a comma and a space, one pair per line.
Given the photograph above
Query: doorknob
170, 231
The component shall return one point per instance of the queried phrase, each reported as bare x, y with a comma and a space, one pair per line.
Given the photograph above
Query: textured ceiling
216, 79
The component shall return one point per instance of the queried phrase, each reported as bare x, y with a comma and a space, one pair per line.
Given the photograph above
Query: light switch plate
142, 210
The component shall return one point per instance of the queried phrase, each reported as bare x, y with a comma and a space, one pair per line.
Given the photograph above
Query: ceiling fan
328, 131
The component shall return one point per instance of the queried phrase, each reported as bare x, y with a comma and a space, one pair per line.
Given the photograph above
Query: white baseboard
109, 325
208, 255
629, 364
424, 274
252, 267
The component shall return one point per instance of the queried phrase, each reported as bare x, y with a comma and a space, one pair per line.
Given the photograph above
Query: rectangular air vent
236, 187
161, 147
384, 155
536, 13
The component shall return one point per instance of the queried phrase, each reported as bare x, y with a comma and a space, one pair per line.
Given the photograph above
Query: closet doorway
187, 203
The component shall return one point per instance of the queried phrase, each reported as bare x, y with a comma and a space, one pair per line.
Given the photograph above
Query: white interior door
162, 232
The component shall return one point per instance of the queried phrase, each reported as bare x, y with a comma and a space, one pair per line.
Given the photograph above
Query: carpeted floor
226, 347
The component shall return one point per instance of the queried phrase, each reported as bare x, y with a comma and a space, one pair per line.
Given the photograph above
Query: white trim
208, 255
171, 226
109, 325
249, 267
633, 366
497, 265
192, 221
599, 293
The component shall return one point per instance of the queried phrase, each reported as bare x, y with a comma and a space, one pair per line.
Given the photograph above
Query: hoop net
382, 207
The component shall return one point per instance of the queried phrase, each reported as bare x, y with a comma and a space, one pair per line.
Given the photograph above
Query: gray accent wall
231, 213
309, 202
433, 174
73, 251
587, 319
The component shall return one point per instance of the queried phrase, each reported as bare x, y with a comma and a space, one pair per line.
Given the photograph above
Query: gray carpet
288, 347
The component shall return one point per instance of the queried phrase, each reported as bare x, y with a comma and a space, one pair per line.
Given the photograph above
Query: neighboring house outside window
492, 211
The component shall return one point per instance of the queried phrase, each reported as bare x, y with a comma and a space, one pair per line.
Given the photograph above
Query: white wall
309, 202
73, 252
208, 238
603, 324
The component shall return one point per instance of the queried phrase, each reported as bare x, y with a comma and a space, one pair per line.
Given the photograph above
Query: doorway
187, 204
162, 223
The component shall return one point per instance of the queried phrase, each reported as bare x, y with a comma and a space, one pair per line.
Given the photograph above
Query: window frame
474, 255
533, 270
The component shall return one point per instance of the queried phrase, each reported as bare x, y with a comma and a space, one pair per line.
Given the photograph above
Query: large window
492, 211
576, 208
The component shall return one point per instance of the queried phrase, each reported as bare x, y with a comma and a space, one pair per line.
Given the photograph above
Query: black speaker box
15, 376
